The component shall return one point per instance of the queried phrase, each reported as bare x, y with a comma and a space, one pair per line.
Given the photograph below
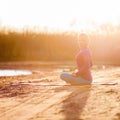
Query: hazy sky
61, 14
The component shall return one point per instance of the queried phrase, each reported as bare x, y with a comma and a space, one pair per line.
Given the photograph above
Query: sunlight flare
59, 14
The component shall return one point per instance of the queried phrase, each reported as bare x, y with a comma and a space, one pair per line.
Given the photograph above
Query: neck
83, 47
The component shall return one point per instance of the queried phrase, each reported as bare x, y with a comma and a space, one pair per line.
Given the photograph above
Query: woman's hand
74, 74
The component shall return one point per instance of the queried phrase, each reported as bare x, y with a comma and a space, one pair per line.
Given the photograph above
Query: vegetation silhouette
62, 46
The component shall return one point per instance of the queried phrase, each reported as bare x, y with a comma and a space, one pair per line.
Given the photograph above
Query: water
14, 72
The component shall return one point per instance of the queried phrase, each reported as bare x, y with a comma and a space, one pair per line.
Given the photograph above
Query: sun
59, 14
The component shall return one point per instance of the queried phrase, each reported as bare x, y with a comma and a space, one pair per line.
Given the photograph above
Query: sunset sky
59, 14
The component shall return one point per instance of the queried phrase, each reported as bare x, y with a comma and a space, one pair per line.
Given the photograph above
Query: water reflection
14, 72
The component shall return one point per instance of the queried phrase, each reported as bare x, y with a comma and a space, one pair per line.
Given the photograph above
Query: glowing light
62, 14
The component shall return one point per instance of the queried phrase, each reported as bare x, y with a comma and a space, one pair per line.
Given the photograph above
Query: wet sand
53, 99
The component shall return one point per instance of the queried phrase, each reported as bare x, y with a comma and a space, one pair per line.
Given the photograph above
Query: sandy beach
44, 96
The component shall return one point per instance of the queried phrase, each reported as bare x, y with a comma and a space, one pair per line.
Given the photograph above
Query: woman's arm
83, 63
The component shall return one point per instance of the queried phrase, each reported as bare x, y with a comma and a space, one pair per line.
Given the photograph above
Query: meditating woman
83, 62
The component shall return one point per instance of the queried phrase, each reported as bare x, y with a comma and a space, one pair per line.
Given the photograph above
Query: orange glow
59, 14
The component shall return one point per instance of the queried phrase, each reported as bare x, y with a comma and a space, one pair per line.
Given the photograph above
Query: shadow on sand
73, 105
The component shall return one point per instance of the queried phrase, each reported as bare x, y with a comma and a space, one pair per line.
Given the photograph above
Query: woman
83, 62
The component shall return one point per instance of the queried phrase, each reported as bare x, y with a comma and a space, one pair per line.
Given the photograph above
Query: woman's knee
65, 76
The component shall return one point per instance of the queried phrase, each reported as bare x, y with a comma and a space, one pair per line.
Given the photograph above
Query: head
83, 40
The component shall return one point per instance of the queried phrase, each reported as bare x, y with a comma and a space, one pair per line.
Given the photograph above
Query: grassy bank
31, 46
